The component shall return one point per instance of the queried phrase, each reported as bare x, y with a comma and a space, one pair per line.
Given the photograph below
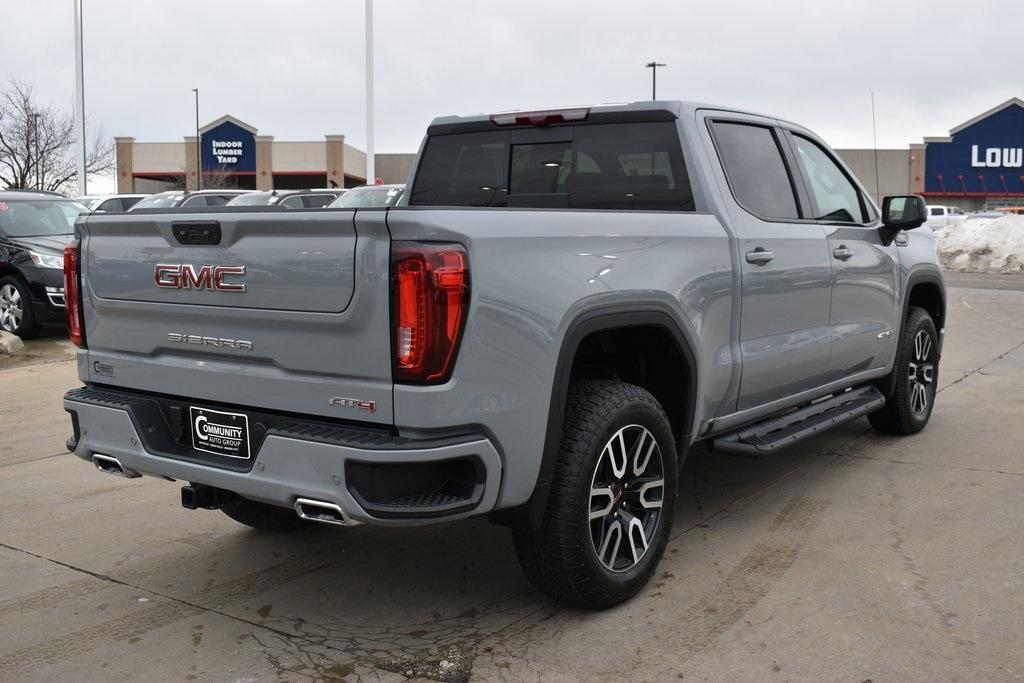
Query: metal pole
80, 98
199, 146
653, 66
371, 171
874, 135
35, 136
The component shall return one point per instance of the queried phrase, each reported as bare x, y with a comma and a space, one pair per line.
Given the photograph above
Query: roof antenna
874, 136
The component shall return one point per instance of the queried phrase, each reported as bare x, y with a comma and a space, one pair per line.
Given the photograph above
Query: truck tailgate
285, 311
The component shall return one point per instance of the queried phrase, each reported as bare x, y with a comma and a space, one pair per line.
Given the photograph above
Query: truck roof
645, 110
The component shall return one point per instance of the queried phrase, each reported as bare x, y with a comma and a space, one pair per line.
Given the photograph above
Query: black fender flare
606, 316
919, 274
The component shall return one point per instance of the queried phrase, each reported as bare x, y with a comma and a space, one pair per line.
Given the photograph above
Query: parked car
113, 203
944, 216
1015, 210
34, 228
292, 199
563, 304
369, 196
182, 199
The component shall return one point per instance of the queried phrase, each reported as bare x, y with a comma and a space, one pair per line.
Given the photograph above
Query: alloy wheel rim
10, 308
626, 495
921, 373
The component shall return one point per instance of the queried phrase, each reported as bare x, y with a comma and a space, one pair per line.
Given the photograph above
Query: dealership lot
853, 556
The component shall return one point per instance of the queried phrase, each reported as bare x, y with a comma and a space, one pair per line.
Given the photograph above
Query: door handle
759, 256
842, 252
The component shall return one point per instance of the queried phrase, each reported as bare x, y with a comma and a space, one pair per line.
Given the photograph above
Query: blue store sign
983, 157
229, 148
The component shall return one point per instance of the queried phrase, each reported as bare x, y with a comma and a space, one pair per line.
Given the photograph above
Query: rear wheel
262, 516
16, 314
612, 498
914, 380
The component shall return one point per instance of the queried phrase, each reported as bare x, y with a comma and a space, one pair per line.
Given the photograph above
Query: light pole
199, 147
80, 98
653, 66
35, 137
371, 171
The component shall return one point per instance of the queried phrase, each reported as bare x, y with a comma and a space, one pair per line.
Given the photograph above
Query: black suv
34, 228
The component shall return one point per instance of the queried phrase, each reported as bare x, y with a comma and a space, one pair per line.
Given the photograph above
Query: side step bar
765, 437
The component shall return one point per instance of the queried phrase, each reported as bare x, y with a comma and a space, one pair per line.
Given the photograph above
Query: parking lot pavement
850, 557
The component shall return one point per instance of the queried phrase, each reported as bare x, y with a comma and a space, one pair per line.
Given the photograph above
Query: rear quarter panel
533, 272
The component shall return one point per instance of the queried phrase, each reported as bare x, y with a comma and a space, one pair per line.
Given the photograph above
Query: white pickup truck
944, 216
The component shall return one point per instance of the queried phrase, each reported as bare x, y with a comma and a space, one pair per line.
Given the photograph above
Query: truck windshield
21, 218
596, 166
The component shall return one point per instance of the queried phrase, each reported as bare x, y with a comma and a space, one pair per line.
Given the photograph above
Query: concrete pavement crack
187, 603
981, 367
42, 457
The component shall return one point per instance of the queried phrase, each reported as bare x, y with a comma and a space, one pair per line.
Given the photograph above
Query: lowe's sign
229, 148
982, 157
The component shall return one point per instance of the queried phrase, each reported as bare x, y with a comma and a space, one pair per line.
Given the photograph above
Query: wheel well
6, 269
928, 296
647, 356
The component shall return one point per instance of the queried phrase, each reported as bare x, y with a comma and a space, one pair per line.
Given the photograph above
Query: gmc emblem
185, 276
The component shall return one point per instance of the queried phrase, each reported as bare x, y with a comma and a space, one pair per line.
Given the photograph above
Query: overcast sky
295, 69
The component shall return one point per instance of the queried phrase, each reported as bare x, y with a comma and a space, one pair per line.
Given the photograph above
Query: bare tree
38, 145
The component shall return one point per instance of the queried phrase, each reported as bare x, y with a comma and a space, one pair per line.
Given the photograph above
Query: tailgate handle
201, 232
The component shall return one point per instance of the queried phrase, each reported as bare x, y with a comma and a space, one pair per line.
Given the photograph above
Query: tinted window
936, 211
835, 195
317, 201
293, 202
469, 169
606, 166
755, 169
109, 205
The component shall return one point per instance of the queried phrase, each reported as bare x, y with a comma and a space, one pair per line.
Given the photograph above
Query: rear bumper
287, 467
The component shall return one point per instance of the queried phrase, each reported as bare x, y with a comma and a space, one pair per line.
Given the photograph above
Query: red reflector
430, 299
540, 118
73, 294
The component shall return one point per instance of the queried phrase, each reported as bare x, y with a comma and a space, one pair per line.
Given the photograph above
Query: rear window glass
755, 169
597, 166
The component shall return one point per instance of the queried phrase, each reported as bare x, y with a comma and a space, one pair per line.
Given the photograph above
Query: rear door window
597, 166
755, 169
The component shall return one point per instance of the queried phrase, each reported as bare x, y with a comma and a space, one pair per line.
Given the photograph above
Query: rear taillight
430, 296
73, 294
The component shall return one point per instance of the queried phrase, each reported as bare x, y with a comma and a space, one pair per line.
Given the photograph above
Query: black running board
765, 437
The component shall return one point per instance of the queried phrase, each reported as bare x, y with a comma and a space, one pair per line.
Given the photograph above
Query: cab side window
835, 196
755, 169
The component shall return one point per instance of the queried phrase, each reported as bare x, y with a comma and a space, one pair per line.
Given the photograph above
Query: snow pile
983, 245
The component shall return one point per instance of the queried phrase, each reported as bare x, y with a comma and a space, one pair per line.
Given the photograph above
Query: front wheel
914, 378
16, 314
613, 494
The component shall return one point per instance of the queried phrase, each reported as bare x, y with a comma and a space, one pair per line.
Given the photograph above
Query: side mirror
903, 212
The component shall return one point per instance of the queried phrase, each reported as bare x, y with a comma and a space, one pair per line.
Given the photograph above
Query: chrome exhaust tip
111, 465
320, 511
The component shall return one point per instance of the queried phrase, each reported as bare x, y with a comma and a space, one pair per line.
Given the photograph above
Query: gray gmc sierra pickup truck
560, 307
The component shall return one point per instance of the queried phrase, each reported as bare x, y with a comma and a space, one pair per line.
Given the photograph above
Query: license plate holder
219, 432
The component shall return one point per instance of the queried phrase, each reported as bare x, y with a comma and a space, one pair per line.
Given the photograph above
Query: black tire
561, 557
903, 413
15, 293
262, 516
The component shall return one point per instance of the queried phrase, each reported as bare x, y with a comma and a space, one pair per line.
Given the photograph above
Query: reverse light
543, 117
73, 294
430, 298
